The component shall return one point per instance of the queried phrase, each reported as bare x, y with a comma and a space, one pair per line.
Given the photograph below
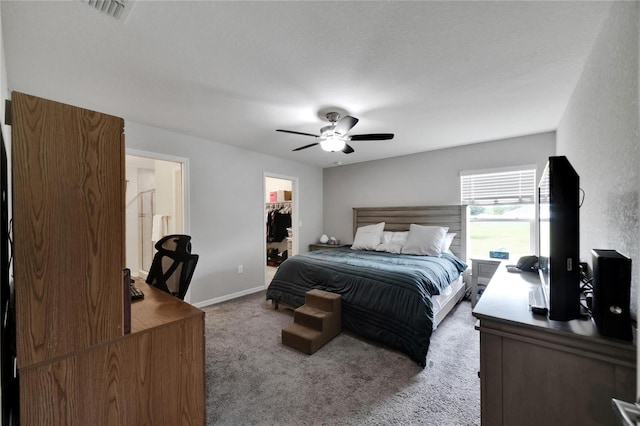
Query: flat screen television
559, 238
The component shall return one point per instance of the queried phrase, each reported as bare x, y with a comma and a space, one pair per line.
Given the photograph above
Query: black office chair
173, 265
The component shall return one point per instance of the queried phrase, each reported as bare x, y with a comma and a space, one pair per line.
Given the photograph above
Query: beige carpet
252, 379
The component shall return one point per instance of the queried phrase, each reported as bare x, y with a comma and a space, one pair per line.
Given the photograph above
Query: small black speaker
612, 293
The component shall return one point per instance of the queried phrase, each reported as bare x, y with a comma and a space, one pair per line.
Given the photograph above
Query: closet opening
155, 205
280, 219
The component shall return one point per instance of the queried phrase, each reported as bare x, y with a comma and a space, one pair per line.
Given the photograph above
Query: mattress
440, 300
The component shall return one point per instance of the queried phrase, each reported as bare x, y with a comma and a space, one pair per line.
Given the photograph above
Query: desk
158, 308
534, 371
154, 375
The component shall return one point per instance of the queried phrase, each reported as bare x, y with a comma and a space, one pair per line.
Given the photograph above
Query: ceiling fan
334, 136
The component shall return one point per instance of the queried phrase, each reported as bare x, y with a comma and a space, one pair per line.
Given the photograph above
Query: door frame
186, 217
294, 217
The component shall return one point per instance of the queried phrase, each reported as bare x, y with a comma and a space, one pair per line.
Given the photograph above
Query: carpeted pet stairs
314, 323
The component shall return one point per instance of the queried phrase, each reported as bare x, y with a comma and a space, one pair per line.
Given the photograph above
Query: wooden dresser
76, 365
534, 371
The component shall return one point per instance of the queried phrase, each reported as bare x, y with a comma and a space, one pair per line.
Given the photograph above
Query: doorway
280, 213
155, 205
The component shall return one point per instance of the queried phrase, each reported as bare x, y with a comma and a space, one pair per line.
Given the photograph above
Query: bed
392, 298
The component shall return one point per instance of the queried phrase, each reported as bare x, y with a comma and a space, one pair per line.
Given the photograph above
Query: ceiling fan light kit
334, 136
332, 144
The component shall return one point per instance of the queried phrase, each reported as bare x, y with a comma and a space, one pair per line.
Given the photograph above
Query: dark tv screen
559, 238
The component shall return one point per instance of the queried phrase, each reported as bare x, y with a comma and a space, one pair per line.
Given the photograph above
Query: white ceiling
437, 74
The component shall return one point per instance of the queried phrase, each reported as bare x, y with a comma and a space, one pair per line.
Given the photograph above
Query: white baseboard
228, 297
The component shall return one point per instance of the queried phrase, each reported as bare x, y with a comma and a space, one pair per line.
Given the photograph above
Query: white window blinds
499, 186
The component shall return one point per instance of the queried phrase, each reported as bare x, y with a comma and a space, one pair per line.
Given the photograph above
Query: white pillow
399, 237
386, 237
425, 240
446, 243
395, 242
368, 237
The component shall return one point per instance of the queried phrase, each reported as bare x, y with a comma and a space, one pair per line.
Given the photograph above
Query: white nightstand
482, 269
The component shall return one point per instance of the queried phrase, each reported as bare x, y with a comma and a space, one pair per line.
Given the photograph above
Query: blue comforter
385, 297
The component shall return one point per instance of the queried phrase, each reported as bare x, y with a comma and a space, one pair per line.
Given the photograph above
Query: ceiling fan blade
297, 133
306, 146
347, 149
372, 137
345, 124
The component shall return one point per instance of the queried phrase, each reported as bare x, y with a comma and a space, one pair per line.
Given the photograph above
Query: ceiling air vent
118, 9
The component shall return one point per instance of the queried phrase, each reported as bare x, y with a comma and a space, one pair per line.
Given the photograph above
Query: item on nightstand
324, 239
495, 254
333, 241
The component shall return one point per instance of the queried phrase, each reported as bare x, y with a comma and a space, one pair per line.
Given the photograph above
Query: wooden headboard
399, 219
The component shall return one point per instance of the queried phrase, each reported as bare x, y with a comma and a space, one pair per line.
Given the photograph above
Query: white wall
226, 207
599, 135
428, 178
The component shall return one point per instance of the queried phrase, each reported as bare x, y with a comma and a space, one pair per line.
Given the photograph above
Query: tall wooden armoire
76, 363
68, 216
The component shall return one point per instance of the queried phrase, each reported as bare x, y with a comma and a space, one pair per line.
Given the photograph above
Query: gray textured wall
599, 135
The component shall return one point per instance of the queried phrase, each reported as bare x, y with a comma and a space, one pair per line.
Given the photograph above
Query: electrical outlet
240, 269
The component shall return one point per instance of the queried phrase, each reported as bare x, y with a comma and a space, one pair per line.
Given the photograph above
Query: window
502, 210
